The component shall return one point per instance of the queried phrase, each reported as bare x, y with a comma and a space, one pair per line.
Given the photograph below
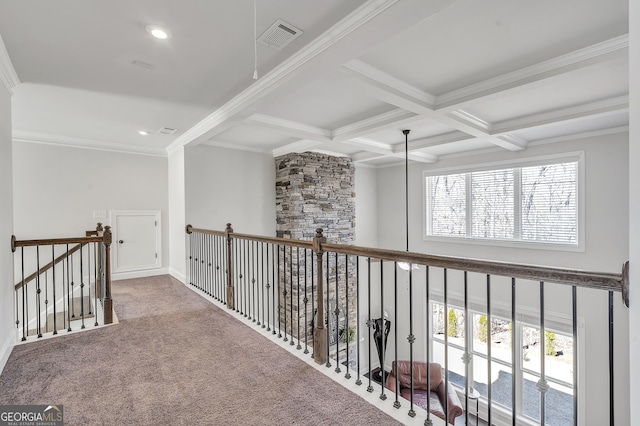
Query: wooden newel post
320, 337
228, 233
107, 303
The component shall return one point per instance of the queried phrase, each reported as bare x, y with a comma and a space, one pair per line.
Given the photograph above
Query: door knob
121, 241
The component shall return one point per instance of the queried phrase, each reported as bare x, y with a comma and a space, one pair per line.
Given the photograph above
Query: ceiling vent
279, 35
167, 131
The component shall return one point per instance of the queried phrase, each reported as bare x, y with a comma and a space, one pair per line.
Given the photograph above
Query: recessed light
143, 133
158, 32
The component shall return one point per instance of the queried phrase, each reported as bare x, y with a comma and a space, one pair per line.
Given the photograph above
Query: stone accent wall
315, 191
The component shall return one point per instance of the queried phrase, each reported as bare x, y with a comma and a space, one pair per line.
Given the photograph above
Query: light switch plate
99, 214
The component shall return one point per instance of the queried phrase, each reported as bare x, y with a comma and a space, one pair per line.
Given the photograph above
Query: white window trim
578, 156
502, 415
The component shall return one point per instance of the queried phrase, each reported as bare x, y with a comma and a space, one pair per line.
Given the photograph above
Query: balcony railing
504, 343
70, 287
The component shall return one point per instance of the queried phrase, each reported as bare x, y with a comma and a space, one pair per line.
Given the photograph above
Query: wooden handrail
48, 266
595, 280
54, 241
100, 235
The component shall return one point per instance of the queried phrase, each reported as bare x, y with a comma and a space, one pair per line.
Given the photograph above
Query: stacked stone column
315, 191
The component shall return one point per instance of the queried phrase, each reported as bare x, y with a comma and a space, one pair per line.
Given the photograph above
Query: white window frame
577, 156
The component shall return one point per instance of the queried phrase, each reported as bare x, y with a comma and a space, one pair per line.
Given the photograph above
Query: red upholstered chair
435, 391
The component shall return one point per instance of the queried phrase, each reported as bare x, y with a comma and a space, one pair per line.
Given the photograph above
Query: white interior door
136, 240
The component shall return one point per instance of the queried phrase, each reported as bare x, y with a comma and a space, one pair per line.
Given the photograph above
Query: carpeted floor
176, 359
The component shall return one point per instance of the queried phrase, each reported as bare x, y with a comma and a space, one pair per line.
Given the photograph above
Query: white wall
7, 330
366, 187
177, 221
224, 185
634, 203
57, 189
607, 215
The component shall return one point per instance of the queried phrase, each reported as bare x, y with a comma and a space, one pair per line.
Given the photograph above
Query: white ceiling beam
298, 146
387, 88
368, 25
372, 124
496, 86
432, 141
291, 128
580, 112
420, 157
371, 146
364, 156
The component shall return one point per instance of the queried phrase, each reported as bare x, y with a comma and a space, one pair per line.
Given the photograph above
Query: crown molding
285, 71
73, 142
8, 73
596, 53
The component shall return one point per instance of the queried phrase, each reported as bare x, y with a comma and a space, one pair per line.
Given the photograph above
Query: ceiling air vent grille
279, 35
167, 131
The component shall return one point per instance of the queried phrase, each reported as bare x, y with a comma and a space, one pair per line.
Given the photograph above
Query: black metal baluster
253, 278
247, 292
328, 364
346, 331
396, 403
89, 275
236, 283
383, 343
291, 292
412, 339
446, 344
81, 289
38, 290
489, 325
429, 337
95, 282
467, 356
268, 286
369, 320
284, 290
261, 322
25, 302
210, 261
513, 352
73, 291
190, 237
53, 275
574, 328
46, 302
305, 301
337, 314
358, 380
298, 291
278, 284
196, 260
273, 285
313, 292
542, 383
68, 292
196, 247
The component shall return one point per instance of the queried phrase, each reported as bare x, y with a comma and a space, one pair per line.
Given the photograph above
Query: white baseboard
5, 349
178, 275
139, 274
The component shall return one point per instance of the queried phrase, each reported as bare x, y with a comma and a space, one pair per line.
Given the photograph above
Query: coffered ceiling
462, 75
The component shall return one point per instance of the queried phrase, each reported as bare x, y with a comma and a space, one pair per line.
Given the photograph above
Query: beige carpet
176, 359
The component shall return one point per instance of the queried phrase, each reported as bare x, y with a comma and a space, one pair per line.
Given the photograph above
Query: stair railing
71, 288
429, 309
